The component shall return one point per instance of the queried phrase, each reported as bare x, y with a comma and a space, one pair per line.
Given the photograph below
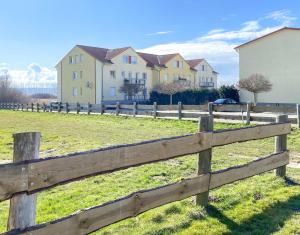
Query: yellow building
276, 57
95, 75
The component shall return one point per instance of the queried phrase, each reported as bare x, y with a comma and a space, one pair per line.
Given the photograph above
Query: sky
36, 34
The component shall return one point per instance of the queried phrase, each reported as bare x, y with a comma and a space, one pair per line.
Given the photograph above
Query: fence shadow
267, 222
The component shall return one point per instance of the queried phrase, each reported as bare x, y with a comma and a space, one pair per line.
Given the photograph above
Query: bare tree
131, 89
255, 84
171, 88
7, 93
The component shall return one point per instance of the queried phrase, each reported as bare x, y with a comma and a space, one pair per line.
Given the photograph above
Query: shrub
229, 92
196, 96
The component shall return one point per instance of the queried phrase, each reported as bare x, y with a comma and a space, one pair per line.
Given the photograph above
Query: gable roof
266, 35
194, 63
103, 54
157, 60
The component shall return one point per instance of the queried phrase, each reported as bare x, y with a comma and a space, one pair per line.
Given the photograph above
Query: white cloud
217, 45
160, 33
34, 75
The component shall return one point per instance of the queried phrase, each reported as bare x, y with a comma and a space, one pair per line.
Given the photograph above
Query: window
145, 76
70, 59
130, 75
178, 64
112, 91
166, 77
74, 75
175, 64
128, 59
81, 74
113, 74
76, 59
123, 74
137, 75
75, 92
203, 67
81, 57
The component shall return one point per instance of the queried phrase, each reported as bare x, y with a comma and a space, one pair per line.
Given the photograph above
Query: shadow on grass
269, 221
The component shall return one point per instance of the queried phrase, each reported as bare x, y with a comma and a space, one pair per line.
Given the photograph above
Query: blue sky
35, 34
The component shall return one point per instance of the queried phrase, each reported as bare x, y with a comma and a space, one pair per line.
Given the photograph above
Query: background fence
27, 175
245, 113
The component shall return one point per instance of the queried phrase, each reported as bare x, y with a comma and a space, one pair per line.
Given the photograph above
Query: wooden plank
225, 137
259, 166
22, 209
92, 219
13, 179
52, 171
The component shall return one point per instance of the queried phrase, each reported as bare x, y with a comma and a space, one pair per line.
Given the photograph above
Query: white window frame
112, 91
70, 59
81, 58
75, 91
112, 74
74, 75
144, 76
133, 60
123, 74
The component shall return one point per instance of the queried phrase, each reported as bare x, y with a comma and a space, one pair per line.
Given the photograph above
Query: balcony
207, 84
133, 81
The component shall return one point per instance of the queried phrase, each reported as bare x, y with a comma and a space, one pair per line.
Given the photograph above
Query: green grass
262, 204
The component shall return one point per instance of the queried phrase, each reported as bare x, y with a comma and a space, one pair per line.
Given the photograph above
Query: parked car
224, 101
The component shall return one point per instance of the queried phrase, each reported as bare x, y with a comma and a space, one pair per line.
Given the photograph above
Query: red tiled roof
103, 54
269, 34
194, 63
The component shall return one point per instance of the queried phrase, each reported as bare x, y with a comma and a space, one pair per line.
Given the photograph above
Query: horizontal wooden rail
94, 218
33, 176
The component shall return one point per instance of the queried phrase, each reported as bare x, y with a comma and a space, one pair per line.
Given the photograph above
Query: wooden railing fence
179, 111
27, 175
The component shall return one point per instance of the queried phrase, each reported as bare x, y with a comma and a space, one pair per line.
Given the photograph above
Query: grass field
263, 204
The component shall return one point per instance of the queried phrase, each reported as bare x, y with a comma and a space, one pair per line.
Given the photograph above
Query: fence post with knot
206, 123
281, 144
22, 209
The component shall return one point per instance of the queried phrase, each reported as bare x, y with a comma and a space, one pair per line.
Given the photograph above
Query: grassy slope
260, 205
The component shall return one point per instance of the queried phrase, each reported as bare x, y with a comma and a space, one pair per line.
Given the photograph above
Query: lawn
262, 204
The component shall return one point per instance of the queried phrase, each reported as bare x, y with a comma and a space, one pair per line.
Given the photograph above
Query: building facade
205, 76
94, 75
276, 57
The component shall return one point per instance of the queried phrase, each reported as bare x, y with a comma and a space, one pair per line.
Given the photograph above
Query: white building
276, 56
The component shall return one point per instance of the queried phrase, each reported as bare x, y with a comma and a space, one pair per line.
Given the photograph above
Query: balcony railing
206, 84
141, 82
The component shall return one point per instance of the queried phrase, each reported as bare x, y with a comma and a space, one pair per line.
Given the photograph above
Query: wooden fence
27, 175
246, 112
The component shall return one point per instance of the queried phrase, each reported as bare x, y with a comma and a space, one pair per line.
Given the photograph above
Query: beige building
205, 76
275, 56
94, 75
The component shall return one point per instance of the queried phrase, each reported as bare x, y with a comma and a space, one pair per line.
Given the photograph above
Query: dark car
224, 101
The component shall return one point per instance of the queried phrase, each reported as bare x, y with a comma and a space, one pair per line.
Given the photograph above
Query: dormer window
128, 59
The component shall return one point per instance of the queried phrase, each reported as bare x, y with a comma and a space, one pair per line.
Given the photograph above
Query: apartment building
205, 76
95, 75
276, 57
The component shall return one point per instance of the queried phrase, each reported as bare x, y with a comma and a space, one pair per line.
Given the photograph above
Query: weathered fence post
89, 108
117, 108
22, 210
32, 107
206, 123
27, 107
67, 107
179, 110
281, 144
298, 116
154, 109
77, 108
248, 114
101, 108
37, 107
134, 109
51, 107
210, 108
59, 107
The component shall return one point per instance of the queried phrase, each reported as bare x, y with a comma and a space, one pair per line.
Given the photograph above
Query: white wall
277, 57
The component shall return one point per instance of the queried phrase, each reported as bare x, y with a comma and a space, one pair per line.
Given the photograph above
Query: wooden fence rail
245, 113
20, 181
